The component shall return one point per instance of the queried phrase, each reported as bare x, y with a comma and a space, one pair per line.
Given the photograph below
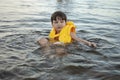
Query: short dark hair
58, 14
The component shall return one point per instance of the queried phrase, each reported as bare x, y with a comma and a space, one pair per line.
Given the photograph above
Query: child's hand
92, 44
59, 43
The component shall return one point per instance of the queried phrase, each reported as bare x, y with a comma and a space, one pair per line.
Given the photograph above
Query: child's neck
57, 32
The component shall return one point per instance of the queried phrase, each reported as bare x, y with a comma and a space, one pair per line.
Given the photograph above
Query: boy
63, 32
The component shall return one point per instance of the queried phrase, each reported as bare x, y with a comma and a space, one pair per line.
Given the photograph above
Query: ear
66, 22
51, 22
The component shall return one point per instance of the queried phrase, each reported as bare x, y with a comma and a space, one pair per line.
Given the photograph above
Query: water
23, 21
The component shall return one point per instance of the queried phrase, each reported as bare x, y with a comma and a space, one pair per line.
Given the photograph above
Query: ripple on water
95, 63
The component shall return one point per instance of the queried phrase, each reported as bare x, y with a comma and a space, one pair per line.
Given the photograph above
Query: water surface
23, 21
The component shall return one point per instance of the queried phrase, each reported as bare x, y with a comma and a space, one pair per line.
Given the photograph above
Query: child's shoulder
70, 23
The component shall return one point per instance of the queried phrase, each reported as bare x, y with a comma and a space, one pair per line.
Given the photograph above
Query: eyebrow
59, 20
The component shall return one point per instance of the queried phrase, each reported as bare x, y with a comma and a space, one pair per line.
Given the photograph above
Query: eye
55, 22
62, 21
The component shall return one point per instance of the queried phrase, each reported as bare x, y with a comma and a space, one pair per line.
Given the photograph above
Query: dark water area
22, 22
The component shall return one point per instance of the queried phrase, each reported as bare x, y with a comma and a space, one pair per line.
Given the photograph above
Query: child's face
58, 24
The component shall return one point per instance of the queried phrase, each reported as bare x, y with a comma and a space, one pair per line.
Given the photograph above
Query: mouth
59, 27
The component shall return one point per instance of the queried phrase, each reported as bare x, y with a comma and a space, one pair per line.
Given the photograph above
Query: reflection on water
22, 22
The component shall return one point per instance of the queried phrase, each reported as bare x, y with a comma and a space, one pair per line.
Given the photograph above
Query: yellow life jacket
64, 35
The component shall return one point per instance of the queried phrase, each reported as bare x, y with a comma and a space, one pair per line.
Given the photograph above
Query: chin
59, 29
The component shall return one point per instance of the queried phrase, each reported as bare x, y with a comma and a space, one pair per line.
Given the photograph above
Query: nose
59, 24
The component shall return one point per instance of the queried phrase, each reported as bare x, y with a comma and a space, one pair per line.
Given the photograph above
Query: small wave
26, 20
10, 75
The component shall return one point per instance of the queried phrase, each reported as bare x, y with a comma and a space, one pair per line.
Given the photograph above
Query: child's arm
73, 35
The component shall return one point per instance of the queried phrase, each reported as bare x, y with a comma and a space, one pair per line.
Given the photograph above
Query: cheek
64, 24
54, 25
